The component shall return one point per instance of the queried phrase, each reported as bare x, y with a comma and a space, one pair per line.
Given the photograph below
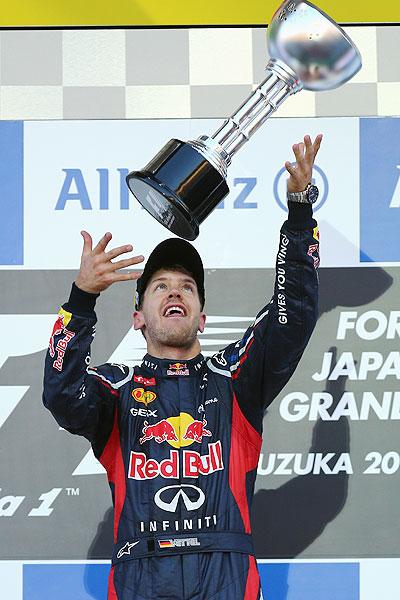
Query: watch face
313, 194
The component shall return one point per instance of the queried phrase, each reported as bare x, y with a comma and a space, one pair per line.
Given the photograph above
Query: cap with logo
173, 252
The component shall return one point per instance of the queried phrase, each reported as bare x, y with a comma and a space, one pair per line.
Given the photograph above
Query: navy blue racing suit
180, 440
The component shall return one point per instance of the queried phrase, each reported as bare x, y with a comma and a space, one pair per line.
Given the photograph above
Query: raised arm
82, 399
261, 363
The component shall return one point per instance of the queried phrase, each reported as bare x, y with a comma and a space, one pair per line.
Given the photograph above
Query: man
180, 436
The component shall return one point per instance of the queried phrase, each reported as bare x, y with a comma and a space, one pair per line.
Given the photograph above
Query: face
171, 312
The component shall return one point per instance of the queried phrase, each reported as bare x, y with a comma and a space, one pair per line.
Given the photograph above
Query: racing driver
180, 436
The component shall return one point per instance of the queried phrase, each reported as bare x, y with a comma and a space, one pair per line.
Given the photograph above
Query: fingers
101, 246
87, 242
309, 152
317, 144
126, 276
307, 142
301, 170
312, 148
118, 251
126, 262
305, 152
291, 169
298, 150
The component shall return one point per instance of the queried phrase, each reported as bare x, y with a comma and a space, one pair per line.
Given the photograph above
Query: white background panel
230, 237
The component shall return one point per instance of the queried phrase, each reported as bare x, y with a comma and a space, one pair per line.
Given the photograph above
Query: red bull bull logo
59, 328
162, 431
144, 396
178, 431
196, 431
178, 368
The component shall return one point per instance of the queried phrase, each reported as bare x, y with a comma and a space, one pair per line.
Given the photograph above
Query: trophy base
163, 205
179, 187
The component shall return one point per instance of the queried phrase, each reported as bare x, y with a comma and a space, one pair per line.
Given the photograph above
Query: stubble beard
173, 337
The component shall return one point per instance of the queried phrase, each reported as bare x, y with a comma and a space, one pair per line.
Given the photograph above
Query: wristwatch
307, 196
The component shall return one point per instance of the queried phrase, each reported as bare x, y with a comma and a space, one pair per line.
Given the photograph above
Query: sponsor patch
178, 431
61, 348
160, 432
178, 368
144, 396
61, 323
313, 248
144, 380
179, 543
196, 430
126, 549
143, 412
174, 525
188, 464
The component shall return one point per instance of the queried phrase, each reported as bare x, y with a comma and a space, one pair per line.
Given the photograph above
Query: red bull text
193, 464
178, 368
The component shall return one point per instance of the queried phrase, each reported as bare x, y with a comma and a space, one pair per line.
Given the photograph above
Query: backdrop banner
329, 472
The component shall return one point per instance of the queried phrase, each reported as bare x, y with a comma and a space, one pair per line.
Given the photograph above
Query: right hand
97, 271
301, 171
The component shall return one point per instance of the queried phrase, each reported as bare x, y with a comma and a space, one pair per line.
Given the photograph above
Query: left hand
301, 172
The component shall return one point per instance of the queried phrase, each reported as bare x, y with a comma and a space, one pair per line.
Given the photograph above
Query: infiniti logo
189, 503
319, 179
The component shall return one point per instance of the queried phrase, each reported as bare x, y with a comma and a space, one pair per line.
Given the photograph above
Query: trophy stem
185, 181
280, 83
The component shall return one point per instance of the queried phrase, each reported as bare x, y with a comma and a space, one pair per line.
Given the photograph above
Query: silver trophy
185, 181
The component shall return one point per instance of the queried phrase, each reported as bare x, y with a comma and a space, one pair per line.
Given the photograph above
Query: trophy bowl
185, 181
313, 46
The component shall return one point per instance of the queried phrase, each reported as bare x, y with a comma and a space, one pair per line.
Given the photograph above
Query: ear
138, 319
202, 322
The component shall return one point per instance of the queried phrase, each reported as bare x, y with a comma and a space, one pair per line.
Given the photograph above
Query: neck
162, 351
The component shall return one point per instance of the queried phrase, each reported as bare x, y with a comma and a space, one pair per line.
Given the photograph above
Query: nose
174, 293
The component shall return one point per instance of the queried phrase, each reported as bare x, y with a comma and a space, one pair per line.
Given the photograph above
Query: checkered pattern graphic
172, 73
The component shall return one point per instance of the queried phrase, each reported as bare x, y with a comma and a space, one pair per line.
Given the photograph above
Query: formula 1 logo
176, 431
16, 343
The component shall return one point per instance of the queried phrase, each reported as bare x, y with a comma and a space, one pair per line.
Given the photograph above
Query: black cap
174, 252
